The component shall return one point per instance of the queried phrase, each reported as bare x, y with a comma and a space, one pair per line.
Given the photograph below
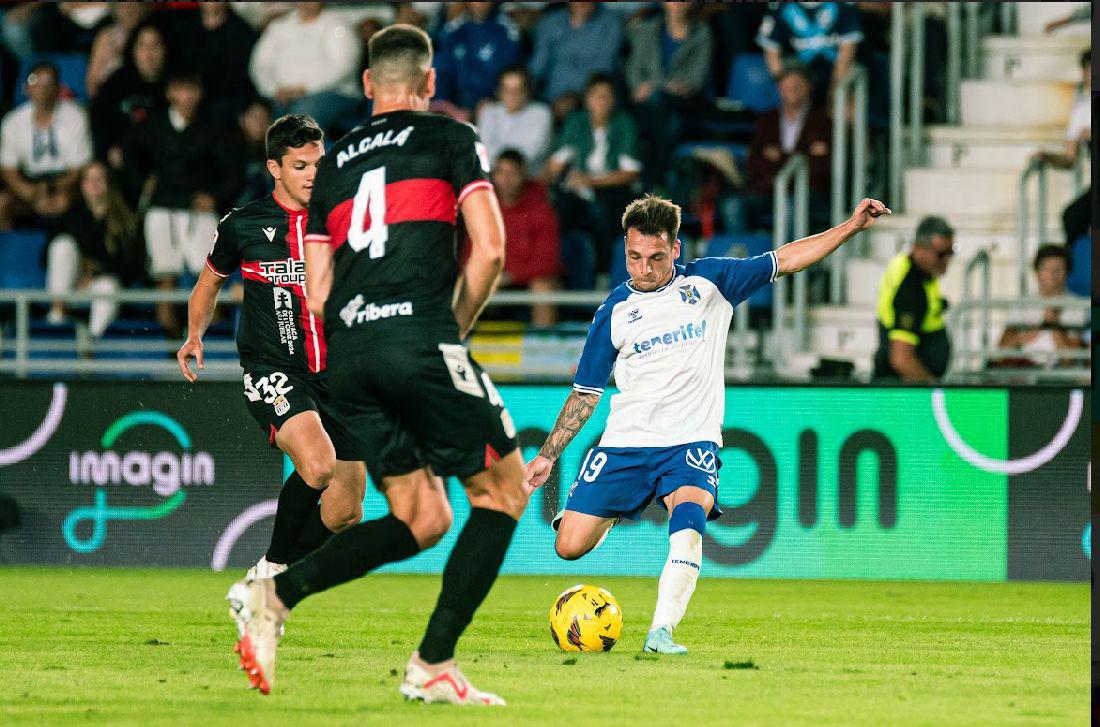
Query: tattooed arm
575, 412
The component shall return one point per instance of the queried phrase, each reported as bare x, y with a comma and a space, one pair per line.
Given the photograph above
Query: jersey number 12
370, 198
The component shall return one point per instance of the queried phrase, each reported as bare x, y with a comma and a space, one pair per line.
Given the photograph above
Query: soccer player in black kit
282, 348
381, 267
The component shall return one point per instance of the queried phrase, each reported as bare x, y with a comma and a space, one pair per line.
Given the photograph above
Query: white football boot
448, 686
253, 607
265, 569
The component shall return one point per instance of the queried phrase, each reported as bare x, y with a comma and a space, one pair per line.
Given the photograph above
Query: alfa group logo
165, 472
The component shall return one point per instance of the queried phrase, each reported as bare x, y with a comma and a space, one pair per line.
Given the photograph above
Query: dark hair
1049, 251
1086, 57
45, 65
290, 132
798, 69
184, 77
513, 155
930, 227
131, 42
597, 79
399, 53
520, 70
653, 215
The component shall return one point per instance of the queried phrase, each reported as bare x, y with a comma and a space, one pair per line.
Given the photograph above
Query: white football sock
681, 572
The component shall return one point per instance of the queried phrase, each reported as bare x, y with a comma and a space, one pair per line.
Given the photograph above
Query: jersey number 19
370, 199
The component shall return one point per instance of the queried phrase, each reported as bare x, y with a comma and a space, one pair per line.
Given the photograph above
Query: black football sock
347, 555
313, 535
296, 501
467, 578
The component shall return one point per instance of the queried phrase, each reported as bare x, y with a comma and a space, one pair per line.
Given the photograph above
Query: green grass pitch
99, 646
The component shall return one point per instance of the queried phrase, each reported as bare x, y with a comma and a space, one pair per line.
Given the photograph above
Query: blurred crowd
129, 127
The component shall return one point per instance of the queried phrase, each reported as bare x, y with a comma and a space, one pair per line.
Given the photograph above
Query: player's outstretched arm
200, 310
801, 254
486, 230
574, 413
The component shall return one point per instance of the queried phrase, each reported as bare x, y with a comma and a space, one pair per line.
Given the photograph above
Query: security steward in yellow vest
913, 341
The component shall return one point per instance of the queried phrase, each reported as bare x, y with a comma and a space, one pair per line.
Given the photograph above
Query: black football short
414, 405
274, 395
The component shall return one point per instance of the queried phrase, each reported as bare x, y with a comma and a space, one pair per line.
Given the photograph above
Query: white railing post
897, 90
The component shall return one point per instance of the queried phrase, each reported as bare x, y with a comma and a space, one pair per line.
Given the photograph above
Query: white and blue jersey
667, 350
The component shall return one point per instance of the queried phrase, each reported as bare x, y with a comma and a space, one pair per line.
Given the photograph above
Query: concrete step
990, 147
990, 191
971, 234
1032, 17
1045, 58
1016, 103
864, 275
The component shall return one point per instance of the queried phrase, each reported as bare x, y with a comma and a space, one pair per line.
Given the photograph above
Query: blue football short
621, 481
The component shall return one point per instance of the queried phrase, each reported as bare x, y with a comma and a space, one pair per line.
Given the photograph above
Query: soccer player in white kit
663, 333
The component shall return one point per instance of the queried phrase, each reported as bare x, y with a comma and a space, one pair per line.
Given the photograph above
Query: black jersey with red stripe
265, 240
386, 198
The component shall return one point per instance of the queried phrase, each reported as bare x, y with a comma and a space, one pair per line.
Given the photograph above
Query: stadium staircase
1020, 104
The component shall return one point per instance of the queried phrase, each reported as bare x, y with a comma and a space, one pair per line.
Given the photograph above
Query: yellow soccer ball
585, 618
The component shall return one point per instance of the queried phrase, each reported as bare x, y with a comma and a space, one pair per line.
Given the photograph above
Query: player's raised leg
498, 496
579, 533
261, 606
688, 509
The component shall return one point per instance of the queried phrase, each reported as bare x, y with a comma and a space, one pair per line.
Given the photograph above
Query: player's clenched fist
538, 470
867, 211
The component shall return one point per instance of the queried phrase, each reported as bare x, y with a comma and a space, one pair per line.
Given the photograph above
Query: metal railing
1038, 168
845, 196
155, 358
981, 260
966, 26
794, 174
970, 362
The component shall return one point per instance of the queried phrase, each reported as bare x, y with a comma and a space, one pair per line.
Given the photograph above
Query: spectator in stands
249, 144
596, 167
307, 62
470, 53
94, 246
217, 44
1048, 329
514, 121
823, 37
913, 341
109, 46
796, 127
43, 144
669, 65
178, 162
1077, 216
67, 27
1082, 14
128, 96
533, 261
570, 46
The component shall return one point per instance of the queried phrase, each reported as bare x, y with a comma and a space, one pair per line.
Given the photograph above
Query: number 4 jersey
265, 240
386, 198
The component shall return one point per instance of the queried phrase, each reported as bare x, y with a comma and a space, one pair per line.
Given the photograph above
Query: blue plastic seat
21, 259
751, 84
72, 70
1080, 280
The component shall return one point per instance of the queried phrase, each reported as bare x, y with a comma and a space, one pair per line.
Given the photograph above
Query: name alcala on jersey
667, 349
265, 240
386, 199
